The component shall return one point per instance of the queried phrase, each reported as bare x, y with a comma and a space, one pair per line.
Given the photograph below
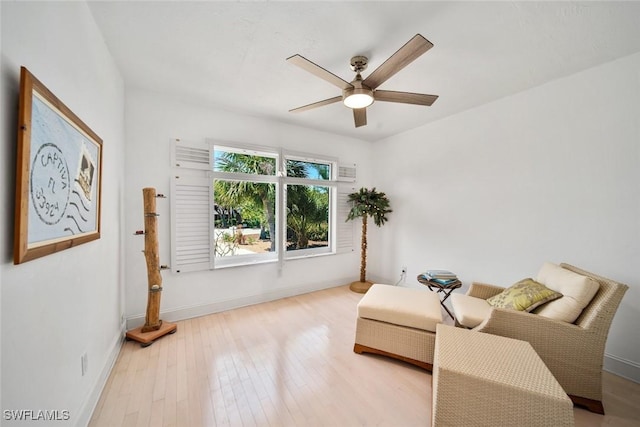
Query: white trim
244, 259
89, 405
241, 148
309, 252
309, 157
622, 367
308, 181
238, 176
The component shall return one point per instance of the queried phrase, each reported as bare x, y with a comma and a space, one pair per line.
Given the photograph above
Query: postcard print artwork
62, 176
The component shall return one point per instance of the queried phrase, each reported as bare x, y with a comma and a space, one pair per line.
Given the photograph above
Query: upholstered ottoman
487, 380
398, 322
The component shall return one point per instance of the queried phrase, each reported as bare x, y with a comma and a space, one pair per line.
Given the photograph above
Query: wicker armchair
573, 352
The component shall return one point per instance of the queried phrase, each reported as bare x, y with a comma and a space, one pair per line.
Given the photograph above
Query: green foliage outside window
252, 204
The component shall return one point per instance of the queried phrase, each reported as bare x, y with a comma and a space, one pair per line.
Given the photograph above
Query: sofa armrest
556, 342
523, 324
572, 353
483, 290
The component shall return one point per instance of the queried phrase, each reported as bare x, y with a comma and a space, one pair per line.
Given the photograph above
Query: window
240, 205
245, 192
308, 206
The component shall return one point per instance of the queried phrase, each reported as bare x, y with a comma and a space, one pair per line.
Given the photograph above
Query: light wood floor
286, 363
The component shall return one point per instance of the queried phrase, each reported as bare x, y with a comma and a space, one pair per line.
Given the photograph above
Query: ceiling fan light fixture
359, 94
358, 98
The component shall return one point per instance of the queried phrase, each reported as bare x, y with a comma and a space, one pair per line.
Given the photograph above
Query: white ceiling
231, 55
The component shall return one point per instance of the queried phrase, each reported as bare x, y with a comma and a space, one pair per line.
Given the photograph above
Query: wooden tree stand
153, 327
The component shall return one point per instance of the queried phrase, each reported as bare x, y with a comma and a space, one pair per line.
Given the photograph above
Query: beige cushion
470, 311
416, 308
577, 291
525, 295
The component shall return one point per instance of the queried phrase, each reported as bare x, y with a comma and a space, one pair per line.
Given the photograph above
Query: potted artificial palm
367, 203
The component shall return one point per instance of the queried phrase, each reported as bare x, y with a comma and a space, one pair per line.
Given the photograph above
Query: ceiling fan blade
360, 116
404, 97
318, 71
316, 104
396, 62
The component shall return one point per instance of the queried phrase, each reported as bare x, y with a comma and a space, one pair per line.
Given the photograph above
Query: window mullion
281, 215
237, 176
307, 181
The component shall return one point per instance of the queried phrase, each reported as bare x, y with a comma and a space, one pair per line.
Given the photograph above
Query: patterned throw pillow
525, 295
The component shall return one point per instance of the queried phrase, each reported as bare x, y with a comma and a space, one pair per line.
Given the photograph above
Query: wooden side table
439, 288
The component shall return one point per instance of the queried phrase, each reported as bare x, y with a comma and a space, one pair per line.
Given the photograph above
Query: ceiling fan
359, 94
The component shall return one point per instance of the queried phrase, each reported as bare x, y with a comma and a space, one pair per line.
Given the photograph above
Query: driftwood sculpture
153, 327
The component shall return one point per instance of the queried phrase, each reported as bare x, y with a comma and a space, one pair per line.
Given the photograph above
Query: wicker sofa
573, 352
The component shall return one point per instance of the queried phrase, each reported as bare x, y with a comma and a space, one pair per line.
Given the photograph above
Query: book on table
440, 274
442, 277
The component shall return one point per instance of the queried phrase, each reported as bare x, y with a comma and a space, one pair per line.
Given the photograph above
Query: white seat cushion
577, 291
470, 311
416, 308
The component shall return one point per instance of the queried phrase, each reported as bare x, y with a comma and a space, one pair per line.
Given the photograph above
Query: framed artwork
58, 175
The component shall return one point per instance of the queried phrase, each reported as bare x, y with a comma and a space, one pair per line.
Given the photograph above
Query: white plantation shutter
191, 207
347, 172
344, 229
191, 221
191, 154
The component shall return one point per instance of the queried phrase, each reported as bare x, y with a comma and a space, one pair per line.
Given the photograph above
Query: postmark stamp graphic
50, 184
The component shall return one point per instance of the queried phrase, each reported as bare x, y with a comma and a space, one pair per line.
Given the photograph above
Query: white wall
58, 307
550, 174
151, 121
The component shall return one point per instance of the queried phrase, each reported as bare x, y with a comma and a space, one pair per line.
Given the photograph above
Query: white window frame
331, 183
246, 259
340, 237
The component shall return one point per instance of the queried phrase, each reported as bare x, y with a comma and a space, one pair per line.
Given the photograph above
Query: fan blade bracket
318, 71
413, 49
404, 97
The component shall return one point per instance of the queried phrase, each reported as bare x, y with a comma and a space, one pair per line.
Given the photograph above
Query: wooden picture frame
58, 175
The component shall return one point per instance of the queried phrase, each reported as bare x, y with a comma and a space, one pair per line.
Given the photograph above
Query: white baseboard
218, 306
89, 404
622, 367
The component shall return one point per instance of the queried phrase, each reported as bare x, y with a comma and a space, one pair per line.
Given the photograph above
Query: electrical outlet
84, 363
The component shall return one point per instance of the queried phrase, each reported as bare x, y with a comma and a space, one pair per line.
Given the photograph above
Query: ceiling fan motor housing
359, 95
359, 63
